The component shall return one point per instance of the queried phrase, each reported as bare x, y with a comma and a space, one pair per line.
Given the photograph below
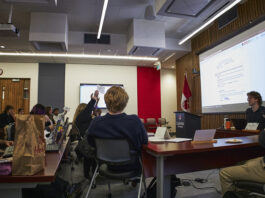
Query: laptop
239, 123
57, 138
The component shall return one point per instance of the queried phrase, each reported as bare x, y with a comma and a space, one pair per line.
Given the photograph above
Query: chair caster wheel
94, 186
109, 195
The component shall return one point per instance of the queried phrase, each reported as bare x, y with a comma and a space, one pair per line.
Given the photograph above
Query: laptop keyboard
52, 147
49, 148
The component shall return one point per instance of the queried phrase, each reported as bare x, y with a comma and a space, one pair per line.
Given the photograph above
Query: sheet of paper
178, 140
156, 139
252, 126
150, 134
101, 89
204, 135
160, 132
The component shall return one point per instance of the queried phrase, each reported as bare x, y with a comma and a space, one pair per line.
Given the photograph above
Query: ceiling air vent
188, 7
92, 39
145, 51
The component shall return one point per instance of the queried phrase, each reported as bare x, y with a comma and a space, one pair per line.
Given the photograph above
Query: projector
8, 30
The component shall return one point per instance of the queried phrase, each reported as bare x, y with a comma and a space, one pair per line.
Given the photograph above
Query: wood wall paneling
248, 12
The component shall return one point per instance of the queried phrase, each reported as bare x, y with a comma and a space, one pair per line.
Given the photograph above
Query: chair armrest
251, 186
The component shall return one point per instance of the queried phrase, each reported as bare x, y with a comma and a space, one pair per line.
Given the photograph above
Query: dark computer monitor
239, 123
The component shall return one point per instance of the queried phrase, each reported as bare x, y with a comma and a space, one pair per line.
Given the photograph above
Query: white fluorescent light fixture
85, 56
102, 18
168, 57
208, 22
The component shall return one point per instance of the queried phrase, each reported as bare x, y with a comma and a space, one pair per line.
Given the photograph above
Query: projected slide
228, 74
87, 89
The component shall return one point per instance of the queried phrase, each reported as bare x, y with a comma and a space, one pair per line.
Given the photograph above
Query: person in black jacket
256, 112
84, 118
7, 117
251, 170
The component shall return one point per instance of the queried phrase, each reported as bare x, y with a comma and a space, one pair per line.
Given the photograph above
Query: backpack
151, 189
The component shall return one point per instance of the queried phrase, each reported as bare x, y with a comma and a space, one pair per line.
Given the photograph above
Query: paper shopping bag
29, 145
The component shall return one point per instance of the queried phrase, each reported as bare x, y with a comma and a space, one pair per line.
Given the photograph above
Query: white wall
168, 96
24, 70
99, 74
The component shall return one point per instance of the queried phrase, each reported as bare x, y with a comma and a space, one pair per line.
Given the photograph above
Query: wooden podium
187, 124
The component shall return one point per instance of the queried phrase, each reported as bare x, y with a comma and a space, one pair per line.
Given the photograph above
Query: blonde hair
79, 108
116, 99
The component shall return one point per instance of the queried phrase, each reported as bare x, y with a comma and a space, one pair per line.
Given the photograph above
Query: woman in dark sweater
84, 118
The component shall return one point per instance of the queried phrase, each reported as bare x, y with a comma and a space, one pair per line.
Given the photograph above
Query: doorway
15, 92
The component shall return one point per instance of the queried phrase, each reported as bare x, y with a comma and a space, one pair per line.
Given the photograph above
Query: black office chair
115, 152
254, 189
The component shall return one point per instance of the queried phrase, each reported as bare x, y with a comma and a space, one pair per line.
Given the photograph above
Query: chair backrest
113, 150
251, 186
151, 121
161, 121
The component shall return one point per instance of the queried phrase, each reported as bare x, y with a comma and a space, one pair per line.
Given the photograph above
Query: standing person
256, 112
8, 116
117, 124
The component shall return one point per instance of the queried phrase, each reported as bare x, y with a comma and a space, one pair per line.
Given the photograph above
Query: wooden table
165, 159
11, 186
223, 133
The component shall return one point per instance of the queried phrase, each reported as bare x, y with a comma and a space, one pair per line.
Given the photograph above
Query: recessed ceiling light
172, 66
2, 46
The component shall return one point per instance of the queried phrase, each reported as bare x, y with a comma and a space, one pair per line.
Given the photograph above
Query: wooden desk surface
222, 133
53, 160
187, 157
187, 147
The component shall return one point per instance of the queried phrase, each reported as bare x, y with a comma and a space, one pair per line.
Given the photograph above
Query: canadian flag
186, 94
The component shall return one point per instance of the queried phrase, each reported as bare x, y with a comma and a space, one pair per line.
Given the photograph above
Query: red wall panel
149, 93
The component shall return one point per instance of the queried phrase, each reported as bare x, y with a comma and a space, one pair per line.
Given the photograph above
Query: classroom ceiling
180, 17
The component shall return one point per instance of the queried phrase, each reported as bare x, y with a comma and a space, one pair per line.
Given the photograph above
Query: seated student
20, 111
48, 112
252, 170
96, 112
8, 116
84, 118
116, 124
39, 109
257, 112
58, 116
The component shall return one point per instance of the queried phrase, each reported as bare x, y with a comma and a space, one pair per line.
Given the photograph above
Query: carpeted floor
207, 190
